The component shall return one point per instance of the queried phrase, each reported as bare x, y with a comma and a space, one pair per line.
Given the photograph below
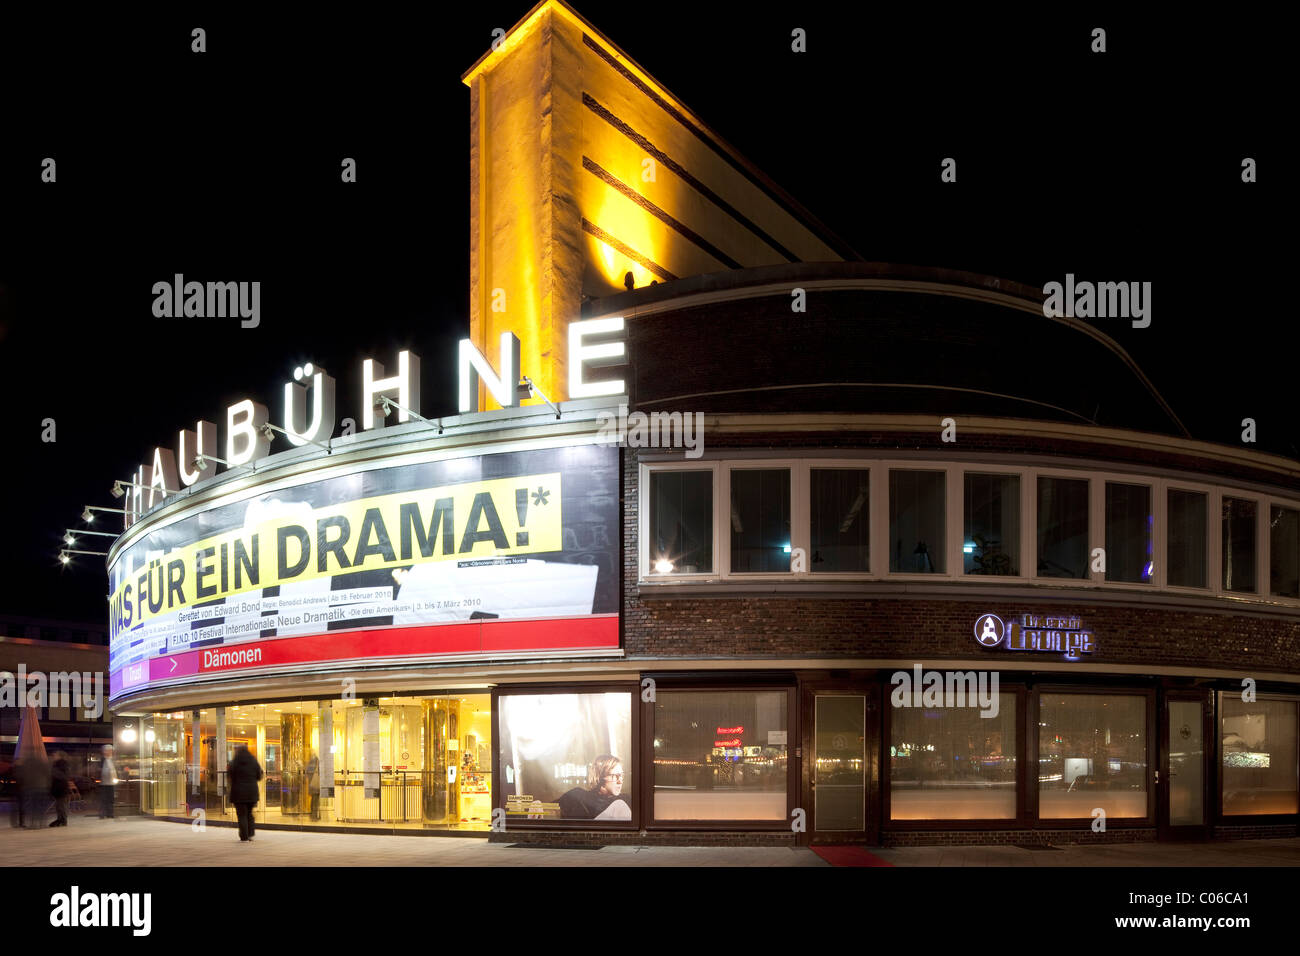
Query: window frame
1245, 819
877, 511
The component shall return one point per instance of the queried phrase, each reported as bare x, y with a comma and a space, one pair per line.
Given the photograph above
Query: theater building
795, 547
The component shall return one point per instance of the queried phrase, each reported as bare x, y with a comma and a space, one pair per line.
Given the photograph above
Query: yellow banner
485, 519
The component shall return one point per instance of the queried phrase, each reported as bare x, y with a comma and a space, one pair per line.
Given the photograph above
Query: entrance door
1182, 802
838, 768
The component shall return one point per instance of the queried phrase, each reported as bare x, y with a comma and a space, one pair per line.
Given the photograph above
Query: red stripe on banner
474, 637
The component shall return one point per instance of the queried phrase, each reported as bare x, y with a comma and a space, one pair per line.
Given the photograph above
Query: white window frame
877, 510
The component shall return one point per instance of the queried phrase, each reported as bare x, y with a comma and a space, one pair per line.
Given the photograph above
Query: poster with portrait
567, 756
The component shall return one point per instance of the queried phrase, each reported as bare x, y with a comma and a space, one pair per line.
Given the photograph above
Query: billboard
516, 551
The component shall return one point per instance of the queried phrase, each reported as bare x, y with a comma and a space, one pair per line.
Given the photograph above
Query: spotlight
70, 540
117, 490
268, 432
87, 516
63, 556
200, 462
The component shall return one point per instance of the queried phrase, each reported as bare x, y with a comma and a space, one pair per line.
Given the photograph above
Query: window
992, 509
721, 755
952, 763
567, 756
1092, 752
681, 522
1259, 756
916, 521
1062, 528
760, 520
839, 510
1238, 544
1130, 533
1284, 552
1187, 547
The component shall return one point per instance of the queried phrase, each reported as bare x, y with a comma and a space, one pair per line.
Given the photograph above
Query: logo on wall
989, 630
1063, 635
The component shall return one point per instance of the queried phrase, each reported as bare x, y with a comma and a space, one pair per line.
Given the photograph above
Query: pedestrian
60, 788
312, 772
244, 772
107, 784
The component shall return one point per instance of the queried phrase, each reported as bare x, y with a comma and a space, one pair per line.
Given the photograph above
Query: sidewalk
138, 841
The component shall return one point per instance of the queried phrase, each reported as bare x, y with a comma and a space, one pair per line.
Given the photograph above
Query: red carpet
848, 856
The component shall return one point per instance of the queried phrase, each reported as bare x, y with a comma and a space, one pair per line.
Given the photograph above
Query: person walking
107, 784
244, 772
312, 772
34, 779
60, 788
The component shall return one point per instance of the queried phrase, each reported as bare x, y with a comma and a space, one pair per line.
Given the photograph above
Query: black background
1117, 166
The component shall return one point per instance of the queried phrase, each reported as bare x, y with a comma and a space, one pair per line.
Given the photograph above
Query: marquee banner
528, 536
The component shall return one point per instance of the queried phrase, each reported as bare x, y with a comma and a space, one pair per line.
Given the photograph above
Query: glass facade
840, 500
992, 511
421, 761
721, 755
916, 521
1092, 752
1258, 750
953, 763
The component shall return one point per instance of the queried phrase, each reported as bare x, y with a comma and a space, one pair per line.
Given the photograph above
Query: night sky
1117, 166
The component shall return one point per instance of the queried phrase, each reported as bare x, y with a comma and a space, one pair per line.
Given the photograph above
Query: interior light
786, 549
663, 566
128, 735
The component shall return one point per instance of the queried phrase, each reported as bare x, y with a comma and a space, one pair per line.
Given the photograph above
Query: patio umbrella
30, 742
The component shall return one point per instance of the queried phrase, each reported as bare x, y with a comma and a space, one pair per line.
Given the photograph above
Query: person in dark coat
34, 779
244, 772
60, 788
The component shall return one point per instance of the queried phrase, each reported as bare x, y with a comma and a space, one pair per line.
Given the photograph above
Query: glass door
1182, 788
839, 766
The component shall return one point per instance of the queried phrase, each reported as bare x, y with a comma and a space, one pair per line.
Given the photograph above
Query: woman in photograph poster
603, 797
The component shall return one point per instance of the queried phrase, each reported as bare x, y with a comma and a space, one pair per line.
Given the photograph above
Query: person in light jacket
107, 784
244, 772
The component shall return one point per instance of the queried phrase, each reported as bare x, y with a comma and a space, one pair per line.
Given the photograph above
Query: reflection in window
1092, 752
1062, 528
720, 755
916, 521
953, 764
839, 509
681, 522
760, 519
992, 509
1284, 552
1187, 548
1259, 756
1238, 544
1130, 533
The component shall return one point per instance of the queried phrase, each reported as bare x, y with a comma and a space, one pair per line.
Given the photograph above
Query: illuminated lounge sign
248, 433
1058, 634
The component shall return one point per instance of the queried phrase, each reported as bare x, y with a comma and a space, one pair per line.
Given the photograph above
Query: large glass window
1259, 756
1284, 552
1130, 533
567, 756
992, 509
1238, 544
1092, 752
916, 521
760, 519
1062, 528
1187, 547
952, 763
681, 522
721, 755
839, 509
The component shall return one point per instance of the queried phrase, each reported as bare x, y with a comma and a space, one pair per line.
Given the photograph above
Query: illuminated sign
1059, 634
452, 553
248, 432
730, 731
735, 742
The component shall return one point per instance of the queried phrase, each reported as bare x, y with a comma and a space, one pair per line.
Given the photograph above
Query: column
196, 764
325, 723
221, 757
